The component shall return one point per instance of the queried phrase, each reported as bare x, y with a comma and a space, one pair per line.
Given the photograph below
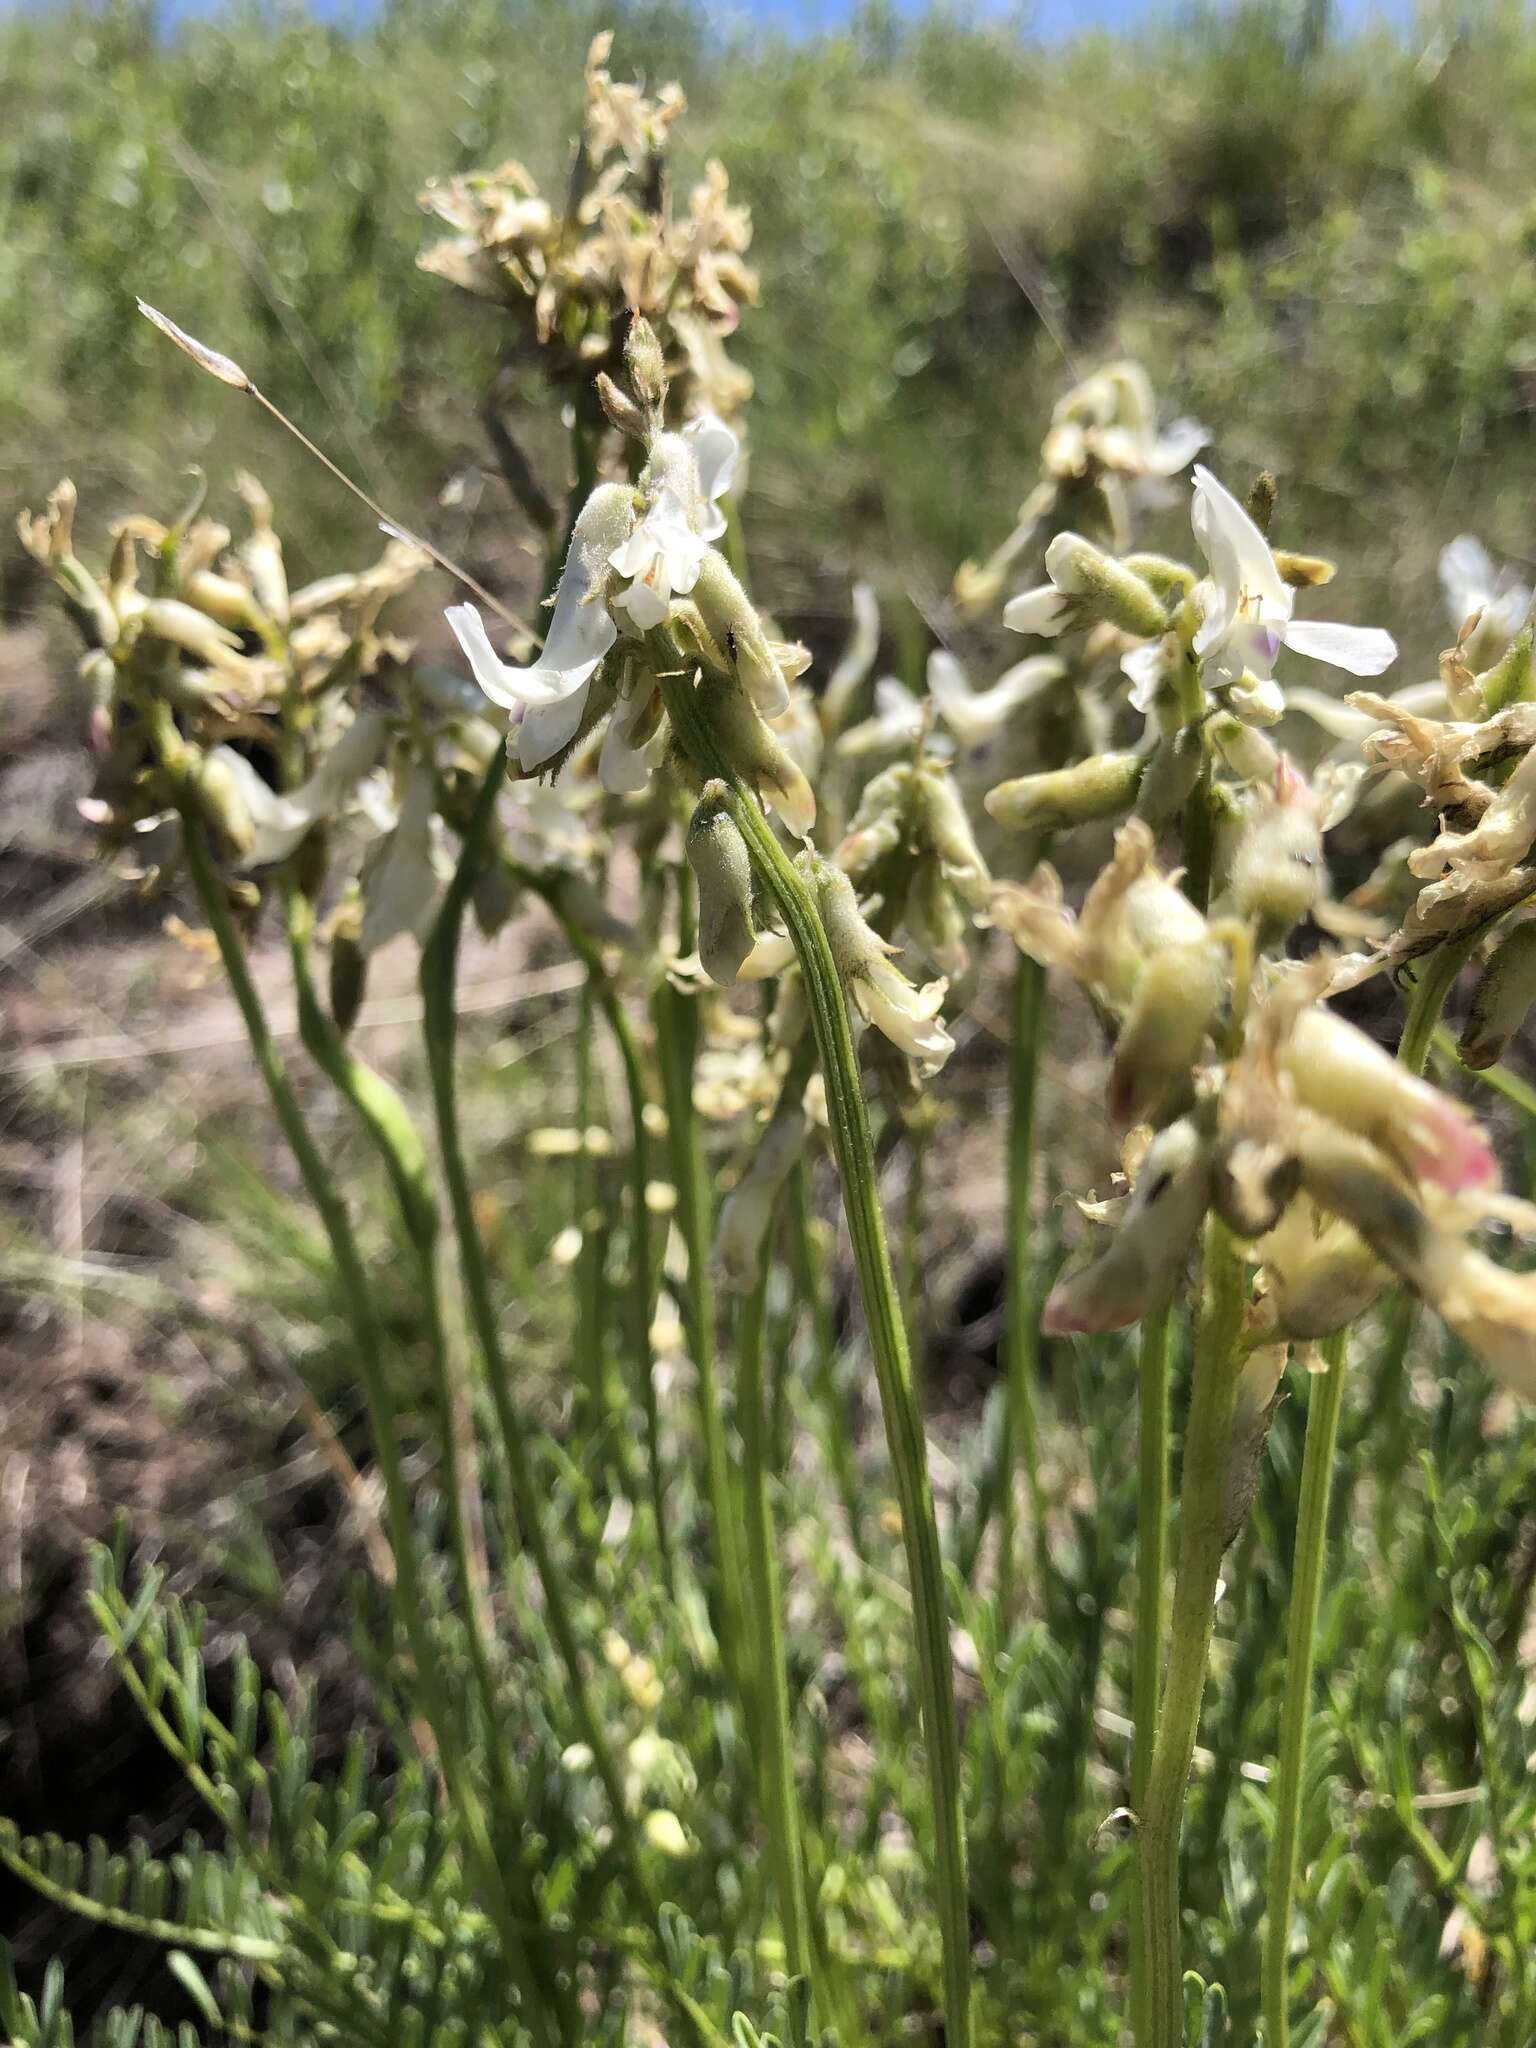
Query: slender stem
1202, 1539
1020, 1437
674, 1039
779, 1797
1429, 995
368, 1341
811, 1282
388, 1125
912, 1237
1324, 1407
1153, 1378
888, 1340
439, 970
590, 1366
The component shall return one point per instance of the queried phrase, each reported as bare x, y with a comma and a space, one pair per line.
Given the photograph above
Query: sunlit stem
888, 1338
1202, 1539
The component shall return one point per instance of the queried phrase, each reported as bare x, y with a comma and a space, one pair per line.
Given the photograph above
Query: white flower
905, 1014
1246, 611
898, 721
1128, 440
663, 557
280, 822
1472, 586
401, 877
716, 452
552, 691
1044, 611
976, 716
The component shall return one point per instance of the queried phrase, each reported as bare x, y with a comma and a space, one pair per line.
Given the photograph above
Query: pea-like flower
1494, 602
1154, 1234
907, 1015
279, 822
1246, 606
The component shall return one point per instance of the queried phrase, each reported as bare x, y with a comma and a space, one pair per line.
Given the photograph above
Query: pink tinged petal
1447, 1147
1359, 650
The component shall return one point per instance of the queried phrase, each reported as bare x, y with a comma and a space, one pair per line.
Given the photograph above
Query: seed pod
1104, 589
1102, 787
717, 853
1502, 999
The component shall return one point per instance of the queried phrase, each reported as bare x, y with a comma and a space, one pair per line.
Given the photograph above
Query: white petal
646, 603
1360, 650
622, 767
1144, 666
1179, 443
1042, 612
1236, 550
399, 881
716, 450
1466, 577
547, 728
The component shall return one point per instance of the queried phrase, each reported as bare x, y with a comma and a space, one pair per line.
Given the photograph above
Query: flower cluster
615, 249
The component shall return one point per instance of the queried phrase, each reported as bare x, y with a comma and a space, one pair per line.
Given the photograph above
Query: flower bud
1502, 998
621, 409
756, 752
1276, 873
1303, 572
262, 551
1177, 996
1246, 750
717, 853
1339, 1072
1102, 787
645, 363
732, 622
1137, 1269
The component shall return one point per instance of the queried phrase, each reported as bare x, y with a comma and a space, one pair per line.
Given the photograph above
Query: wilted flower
278, 823
908, 1016
1153, 1234
911, 846
403, 874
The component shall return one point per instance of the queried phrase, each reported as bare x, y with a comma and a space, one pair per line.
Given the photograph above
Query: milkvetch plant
684, 1753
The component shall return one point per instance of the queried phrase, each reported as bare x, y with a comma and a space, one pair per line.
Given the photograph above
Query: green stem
1202, 1540
388, 1125
888, 1341
1020, 1436
1323, 1411
779, 1797
439, 973
812, 1283
674, 1040
1153, 1378
368, 1339
1429, 995
1324, 1407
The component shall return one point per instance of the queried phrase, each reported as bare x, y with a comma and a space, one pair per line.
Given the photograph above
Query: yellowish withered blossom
1154, 1232
911, 847
908, 1015
617, 247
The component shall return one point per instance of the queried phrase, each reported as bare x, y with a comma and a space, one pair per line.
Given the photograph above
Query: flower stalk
854, 1151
